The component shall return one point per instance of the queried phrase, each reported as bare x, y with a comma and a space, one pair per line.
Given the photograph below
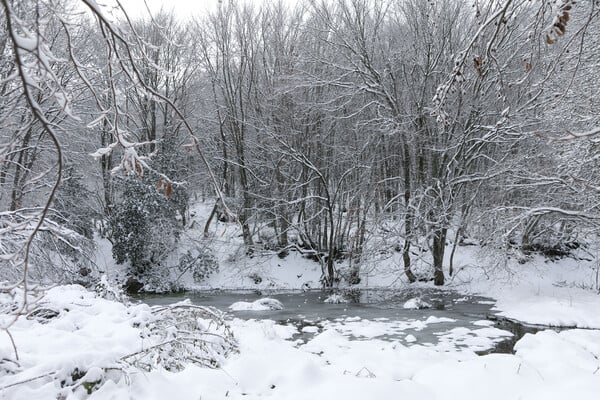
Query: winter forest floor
82, 346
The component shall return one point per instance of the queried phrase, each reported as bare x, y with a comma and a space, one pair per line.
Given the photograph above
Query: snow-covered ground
91, 335
87, 344
544, 292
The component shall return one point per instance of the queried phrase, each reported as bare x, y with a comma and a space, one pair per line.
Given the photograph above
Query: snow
335, 361
474, 339
416, 304
540, 292
410, 338
310, 329
86, 339
335, 299
483, 322
264, 304
369, 329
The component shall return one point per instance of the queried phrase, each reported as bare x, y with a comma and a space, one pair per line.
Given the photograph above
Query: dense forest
336, 129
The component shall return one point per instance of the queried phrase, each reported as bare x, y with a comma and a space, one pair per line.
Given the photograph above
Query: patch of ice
483, 322
436, 320
477, 340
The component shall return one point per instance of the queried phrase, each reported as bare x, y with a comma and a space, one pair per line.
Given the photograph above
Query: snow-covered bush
144, 227
183, 333
73, 341
57, 254
201, 262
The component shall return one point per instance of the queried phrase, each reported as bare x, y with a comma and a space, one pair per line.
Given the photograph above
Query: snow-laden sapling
183, 333
109, 291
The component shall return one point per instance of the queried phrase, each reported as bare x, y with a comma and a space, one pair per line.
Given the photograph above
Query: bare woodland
318, 127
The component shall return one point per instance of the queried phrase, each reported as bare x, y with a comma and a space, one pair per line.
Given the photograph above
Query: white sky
183, 8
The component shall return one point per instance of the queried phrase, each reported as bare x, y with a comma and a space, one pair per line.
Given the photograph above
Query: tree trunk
247, 203
454, 245
408, 219
439, 247
210, 218
106, 167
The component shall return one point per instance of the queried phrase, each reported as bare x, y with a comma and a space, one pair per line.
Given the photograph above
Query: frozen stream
454, 321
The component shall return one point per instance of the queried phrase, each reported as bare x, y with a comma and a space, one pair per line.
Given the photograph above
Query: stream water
449, 309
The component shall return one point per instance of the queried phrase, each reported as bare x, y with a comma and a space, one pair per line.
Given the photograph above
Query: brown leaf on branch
477, 62
138, 168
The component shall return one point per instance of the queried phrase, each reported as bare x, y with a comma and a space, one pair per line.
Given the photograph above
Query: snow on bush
183, 333
74, 342
264, 304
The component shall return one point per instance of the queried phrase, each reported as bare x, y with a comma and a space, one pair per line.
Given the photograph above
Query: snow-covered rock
416, 304
264, 304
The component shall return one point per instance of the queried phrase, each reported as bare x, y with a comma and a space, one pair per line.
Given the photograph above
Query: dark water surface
366, 304
309, 309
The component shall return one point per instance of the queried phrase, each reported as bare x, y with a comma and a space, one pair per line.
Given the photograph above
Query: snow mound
335, 299
416, 304
264, 304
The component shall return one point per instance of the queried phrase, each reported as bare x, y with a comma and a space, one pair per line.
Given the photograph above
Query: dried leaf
138, 168
477, 62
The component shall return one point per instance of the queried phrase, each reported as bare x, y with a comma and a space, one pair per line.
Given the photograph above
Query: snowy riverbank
82, 348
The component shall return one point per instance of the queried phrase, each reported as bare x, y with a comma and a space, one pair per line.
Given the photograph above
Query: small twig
27, 380
12, 342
